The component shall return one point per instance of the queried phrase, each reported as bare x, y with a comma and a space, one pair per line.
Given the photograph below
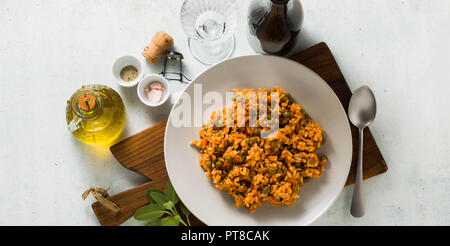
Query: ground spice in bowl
129, 73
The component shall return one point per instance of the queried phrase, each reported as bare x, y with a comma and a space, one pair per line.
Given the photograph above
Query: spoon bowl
362, 108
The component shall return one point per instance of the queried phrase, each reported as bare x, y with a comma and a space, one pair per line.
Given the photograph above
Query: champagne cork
86, 102
160, 43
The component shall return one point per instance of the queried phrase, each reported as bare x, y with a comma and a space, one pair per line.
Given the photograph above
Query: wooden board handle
141, 153
129, 201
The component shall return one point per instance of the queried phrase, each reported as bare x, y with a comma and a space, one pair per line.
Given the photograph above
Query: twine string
101, 195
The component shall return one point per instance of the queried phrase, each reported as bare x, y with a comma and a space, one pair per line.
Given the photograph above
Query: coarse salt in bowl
144, 90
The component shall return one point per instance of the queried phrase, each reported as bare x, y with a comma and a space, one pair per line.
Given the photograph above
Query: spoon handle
358, 209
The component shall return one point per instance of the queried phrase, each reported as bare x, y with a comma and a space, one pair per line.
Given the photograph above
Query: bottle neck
279, 2
278, 7
86, 103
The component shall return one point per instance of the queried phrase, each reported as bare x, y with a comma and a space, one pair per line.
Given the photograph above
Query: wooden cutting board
143, 152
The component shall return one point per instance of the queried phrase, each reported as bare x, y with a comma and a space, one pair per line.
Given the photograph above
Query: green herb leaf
184, 209
170, 193
150, 190
159, 198
156, 222
168, 205
171, 220
150, 211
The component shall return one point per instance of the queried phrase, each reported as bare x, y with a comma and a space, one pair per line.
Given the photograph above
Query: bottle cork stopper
86, 102
161, 42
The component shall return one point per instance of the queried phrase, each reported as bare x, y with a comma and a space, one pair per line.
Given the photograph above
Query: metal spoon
361, 112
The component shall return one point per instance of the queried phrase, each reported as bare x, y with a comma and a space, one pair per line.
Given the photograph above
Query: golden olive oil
95, 114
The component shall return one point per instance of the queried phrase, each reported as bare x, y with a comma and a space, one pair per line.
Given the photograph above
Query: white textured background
49, 48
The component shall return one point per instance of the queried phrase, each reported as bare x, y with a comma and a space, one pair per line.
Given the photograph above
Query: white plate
215, 207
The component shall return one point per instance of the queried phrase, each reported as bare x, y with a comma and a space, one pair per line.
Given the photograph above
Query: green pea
228, 159
247, 140
219, 164
254, 140
273, 171
274, 144
208, 164
203, 148
266, 189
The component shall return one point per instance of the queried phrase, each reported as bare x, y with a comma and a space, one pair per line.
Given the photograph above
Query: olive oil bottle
95, 114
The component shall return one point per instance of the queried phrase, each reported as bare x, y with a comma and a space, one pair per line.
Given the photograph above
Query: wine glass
210, 25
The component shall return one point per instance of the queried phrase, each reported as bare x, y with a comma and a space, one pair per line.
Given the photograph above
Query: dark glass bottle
274, 25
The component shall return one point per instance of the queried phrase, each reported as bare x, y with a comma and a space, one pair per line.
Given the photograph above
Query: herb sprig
162, 210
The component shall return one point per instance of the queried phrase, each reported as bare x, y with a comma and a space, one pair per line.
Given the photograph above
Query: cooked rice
254, 169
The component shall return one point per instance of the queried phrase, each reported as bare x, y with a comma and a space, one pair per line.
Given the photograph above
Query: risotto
253, 163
